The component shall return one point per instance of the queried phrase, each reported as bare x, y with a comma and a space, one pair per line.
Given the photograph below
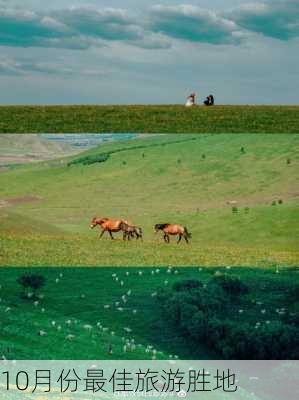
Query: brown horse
131, 231
107, 225
170, 229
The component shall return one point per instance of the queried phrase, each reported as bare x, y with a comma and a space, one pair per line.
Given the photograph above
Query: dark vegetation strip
102, 157
222, 314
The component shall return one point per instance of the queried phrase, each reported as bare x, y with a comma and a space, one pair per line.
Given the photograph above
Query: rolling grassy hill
88, 304
21, 149
237, 194
28, 148
154, 119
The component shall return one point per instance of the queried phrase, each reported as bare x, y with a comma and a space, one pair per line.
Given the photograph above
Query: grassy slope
168, 119
21, 320
157, 188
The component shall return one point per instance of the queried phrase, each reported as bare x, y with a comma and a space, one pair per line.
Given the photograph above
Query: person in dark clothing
209, 101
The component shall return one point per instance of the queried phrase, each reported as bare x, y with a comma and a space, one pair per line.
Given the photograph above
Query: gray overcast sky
137, 4
137, 51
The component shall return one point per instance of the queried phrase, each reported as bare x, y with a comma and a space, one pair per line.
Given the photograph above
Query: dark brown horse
170, 229
107, 225
131, 231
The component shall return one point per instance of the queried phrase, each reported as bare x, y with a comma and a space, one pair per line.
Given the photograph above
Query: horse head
97, 221
93, 222
123, 225
160, 227
157, 227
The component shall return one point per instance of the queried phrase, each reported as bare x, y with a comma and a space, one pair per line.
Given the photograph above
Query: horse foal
131, 231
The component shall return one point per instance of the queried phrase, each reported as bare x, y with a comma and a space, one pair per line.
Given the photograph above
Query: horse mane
161, 226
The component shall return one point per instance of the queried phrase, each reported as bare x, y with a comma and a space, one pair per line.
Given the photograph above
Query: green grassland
153, 119
75, 297
193, 180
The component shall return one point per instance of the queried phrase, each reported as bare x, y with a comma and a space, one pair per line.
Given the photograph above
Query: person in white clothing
191, 100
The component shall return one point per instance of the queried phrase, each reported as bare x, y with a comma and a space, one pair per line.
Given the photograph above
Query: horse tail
188, 234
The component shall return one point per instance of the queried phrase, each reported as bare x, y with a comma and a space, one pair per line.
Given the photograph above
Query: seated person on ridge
191, 100
209, 100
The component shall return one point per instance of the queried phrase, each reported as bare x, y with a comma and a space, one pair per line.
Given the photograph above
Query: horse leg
165, 238
186, 238
180, 238
138, 235
110, 233
102, 233
124, 235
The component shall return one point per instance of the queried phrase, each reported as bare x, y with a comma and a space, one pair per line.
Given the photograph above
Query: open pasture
236, 194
